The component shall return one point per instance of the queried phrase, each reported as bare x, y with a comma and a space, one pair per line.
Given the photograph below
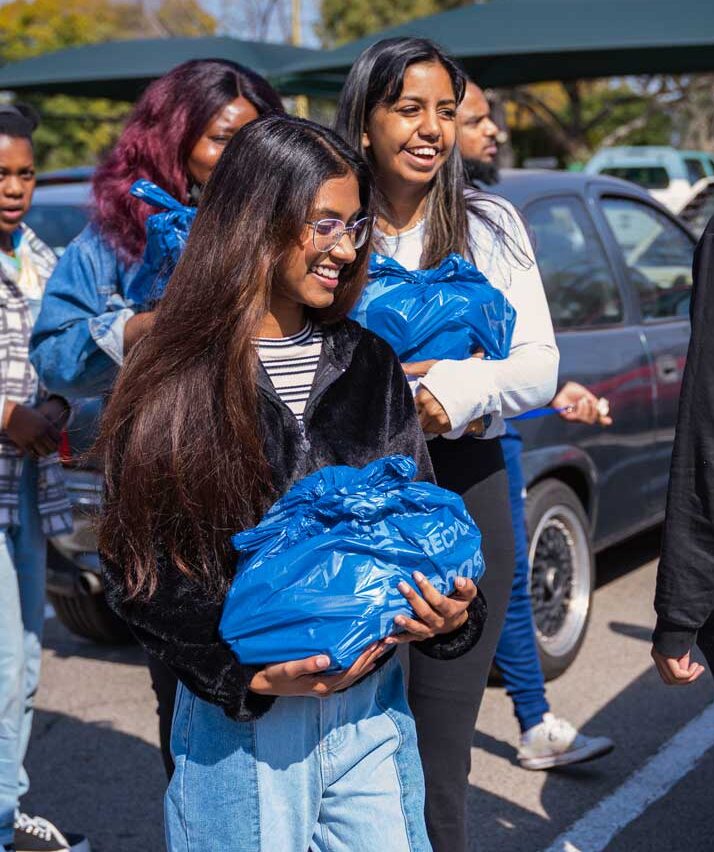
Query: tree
344, 21
567, 120
76, 130
577, 118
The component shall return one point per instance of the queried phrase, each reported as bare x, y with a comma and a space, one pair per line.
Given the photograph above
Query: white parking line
673, 761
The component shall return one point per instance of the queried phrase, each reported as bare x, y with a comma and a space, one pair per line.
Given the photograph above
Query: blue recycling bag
447, 312
319, 573
166, 236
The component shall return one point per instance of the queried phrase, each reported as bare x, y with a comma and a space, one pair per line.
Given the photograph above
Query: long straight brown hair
180, 438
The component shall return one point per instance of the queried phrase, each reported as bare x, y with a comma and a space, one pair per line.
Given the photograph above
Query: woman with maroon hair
174, 137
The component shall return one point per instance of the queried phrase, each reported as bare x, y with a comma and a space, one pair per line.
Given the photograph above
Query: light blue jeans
22, 604
340, 774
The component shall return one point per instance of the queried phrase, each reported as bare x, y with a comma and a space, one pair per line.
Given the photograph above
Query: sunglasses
327, 233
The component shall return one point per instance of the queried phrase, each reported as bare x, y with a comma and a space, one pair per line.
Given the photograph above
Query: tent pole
302, 107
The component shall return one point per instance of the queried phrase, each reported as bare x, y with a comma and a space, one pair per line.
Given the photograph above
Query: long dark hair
160, 134
376, 78
180, 437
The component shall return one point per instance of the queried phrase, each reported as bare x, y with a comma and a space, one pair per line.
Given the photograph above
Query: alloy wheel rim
559, 557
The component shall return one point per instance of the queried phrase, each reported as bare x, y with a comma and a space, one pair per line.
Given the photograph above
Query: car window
57, 224
576, 274
695, 169
657, 254
650, 177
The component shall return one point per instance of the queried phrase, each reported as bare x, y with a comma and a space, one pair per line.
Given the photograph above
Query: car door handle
668, 370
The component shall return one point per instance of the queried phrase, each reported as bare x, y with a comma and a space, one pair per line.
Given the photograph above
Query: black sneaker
35, 834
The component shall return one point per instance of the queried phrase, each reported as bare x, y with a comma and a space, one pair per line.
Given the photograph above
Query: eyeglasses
327, 233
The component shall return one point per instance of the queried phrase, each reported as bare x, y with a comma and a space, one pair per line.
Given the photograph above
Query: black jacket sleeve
179, 626
684, 598
406, 437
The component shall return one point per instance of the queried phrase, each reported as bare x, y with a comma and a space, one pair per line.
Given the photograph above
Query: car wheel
562, 572
88, 615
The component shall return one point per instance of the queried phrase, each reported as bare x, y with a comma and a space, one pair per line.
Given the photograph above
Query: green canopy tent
512, 42
122, 69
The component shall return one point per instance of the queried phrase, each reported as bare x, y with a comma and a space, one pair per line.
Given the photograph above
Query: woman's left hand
436, 613
432, 417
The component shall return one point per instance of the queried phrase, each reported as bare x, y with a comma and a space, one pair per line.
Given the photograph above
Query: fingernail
418, 576
390, 641
404, 587
460, 582
323, 662
399, 620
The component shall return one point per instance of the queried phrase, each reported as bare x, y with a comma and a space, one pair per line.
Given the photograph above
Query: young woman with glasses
398, 107
211, 422
174, 137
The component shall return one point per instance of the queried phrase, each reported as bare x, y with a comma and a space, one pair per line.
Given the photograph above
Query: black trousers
164, 682
445, 695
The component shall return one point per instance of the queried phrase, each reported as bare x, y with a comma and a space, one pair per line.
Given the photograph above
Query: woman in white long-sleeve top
399, 107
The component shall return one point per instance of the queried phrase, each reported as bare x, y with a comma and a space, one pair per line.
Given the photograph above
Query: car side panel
613, 363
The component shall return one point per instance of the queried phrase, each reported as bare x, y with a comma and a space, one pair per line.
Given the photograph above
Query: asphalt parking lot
95, 765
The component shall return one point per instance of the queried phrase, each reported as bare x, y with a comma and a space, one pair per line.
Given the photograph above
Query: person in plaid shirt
33, 502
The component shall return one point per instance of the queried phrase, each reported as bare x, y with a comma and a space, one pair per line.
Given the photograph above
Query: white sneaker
555, 742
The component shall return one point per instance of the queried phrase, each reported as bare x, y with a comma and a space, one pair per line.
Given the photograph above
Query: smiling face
217, 135
17, 183
477, 132
309, 278
411, 139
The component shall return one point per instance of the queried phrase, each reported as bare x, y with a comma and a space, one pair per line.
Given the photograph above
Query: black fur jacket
360, 409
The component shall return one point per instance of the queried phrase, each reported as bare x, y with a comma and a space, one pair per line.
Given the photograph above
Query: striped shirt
291, 363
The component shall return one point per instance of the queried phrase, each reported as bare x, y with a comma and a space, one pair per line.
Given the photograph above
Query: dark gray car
617, 271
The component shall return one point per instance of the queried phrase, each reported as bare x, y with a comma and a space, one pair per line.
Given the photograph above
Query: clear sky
233, 10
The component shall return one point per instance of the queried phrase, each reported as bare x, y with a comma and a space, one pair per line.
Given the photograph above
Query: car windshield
57, 224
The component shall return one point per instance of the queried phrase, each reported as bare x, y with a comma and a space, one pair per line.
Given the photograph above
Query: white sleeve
528, 377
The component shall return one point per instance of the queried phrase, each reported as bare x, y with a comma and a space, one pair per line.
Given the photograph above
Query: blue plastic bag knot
446, 312
166, 236
319, 573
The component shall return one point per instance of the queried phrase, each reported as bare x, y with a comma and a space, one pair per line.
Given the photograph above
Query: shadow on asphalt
615, 562
65, 644
632, 631
639, 719
90, 778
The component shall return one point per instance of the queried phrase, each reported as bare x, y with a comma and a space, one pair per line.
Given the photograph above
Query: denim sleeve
77, 342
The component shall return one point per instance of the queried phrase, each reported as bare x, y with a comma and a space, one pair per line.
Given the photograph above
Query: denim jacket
78, 341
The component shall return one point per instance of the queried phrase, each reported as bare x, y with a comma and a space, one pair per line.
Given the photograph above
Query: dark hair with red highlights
165, 125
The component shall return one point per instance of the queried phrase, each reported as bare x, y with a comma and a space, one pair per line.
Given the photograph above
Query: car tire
562, 575
89, 616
